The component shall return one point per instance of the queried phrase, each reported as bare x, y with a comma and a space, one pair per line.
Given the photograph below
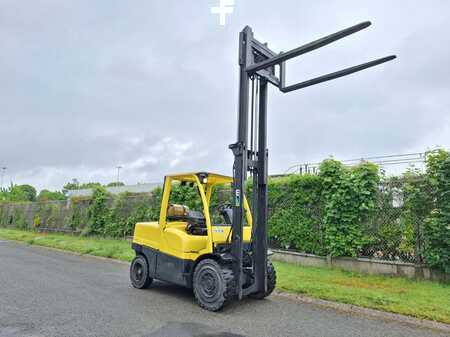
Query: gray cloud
152, 85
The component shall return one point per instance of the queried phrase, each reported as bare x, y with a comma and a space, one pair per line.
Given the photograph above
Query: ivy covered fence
342, 211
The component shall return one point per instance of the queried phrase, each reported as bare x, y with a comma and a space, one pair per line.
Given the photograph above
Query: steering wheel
225, 206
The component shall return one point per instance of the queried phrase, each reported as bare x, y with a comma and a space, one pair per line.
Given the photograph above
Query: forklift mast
260, 66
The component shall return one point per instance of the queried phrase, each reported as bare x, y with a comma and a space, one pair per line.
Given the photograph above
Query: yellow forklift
225, 257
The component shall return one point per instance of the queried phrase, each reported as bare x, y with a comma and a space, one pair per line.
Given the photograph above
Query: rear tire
213, 285
271, 282
139, 273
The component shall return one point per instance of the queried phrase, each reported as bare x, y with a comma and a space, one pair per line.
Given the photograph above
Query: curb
371, 313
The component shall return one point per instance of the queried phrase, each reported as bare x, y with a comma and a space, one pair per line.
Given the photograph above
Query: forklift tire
271, 281
213, 285
139, 276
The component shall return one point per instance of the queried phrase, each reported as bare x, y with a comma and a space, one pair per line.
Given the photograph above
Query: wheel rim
138, 272
208, 285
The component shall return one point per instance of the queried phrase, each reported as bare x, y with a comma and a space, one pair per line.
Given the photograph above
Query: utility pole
3, 175
118, 172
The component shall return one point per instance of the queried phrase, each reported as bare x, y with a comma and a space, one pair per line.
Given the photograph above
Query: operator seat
226, 211
176, 212
196, 222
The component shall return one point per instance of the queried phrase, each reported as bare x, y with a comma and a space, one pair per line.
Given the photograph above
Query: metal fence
68, 216
393, 230
396, 162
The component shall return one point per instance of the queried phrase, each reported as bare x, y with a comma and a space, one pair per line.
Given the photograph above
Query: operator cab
196, 221
199, 205
186, 204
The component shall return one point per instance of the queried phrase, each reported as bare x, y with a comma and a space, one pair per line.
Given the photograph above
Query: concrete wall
368, 266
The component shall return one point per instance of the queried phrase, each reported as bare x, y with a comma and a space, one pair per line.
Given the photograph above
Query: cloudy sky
152, 85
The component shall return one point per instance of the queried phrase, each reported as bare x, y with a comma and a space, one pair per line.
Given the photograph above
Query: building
139, 188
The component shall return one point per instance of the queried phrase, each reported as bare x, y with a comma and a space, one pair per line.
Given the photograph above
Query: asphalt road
46, 293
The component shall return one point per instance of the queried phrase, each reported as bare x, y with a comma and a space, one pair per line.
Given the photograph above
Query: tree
29, 191
92, 185
437, 232
115, 184
20, 193
46, 195
76, 185
71, 185
3, 194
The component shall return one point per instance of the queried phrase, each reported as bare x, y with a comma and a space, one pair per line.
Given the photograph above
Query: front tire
213, 285
271, 282
139, 273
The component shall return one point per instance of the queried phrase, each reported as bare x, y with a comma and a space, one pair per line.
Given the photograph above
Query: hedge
437, 223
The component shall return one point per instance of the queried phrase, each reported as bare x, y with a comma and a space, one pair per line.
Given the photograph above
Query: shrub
37, 221
417, 196
437, 224
98, 212
295, 220
349, 196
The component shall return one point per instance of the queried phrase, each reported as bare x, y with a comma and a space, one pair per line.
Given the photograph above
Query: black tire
139, 275
271, 282
213, 285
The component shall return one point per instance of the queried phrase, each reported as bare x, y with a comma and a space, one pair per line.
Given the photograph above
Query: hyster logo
225, 7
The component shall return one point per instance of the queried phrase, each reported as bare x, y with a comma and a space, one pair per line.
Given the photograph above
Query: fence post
329, 261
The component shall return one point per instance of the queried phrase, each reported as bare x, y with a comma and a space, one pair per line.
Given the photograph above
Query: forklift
226, 258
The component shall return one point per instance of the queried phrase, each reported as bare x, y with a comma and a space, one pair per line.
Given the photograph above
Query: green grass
116, 249
422, 299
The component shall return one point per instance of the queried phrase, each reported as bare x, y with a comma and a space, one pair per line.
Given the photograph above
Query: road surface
47, 293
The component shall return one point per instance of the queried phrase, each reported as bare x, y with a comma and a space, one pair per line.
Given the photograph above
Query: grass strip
417, 298
115, 249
